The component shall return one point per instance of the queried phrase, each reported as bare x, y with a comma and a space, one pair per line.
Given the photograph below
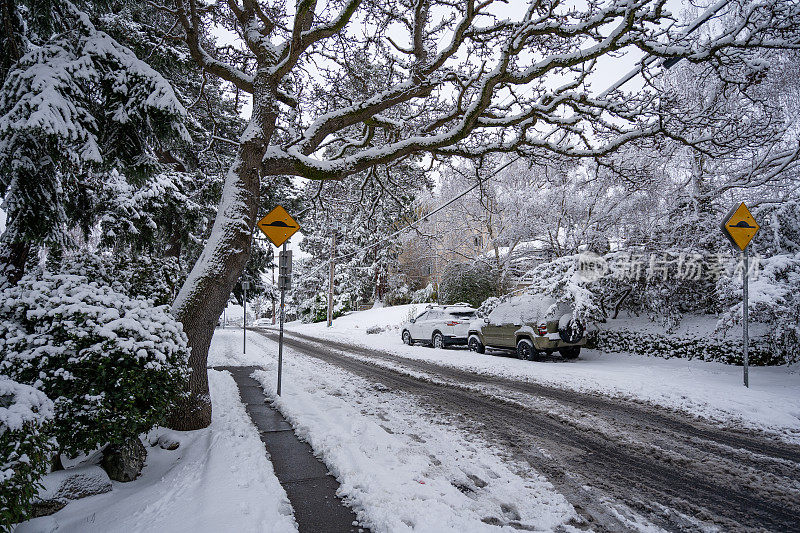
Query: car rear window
463, 314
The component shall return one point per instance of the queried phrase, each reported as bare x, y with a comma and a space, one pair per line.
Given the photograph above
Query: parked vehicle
439, 326
532, 326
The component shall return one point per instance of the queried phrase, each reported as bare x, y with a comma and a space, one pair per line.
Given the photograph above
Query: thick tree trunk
13, 256
205, 293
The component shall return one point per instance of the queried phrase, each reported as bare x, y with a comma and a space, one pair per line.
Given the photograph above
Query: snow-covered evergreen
113, 365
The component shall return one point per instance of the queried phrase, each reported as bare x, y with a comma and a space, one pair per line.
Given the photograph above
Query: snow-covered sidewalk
401, 467
713, 391
219, 479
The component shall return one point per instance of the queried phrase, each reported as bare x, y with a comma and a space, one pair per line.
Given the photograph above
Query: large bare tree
341, 86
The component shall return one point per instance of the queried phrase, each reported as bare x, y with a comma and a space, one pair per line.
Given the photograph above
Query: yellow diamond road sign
740, 227
278, 226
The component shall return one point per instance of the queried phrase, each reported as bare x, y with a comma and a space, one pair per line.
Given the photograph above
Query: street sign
739, 226
278, 226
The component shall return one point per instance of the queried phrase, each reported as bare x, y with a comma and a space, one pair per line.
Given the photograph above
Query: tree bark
13, 256
207, 289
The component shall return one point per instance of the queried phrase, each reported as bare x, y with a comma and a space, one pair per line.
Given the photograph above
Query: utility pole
330, 277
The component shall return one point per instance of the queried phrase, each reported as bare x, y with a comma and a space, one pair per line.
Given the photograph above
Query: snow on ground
710, 390
401, 467
219, 479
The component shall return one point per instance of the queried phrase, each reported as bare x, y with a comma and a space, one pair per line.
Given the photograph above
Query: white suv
439, 326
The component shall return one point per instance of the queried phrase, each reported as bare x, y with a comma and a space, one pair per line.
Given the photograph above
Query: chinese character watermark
676, 266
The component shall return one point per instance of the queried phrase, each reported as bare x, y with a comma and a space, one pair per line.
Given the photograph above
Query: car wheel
571, 352
525, 350
406, 337
438, 340
475, 345
572, 332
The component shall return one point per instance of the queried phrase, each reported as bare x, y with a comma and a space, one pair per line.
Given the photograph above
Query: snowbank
219, 479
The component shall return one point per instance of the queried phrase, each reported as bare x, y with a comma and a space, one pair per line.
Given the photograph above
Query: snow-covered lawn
219, 479
710, 390
401, 467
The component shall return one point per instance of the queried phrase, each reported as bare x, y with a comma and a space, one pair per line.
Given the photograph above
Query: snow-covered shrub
487, 306
563, 280
399, 295
670, 346
424, 295
144, 278
467, 282
315, 309
774, 299
25, 447
112, 365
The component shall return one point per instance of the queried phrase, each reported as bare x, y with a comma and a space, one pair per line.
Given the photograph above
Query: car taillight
453, 323
542, 329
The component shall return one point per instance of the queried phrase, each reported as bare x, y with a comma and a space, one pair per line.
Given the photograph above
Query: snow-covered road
712, 391
402, 465
621, 464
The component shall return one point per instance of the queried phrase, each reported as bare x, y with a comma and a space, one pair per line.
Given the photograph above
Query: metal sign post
245, 286
278, 225
284, 283
740, 227
745, 332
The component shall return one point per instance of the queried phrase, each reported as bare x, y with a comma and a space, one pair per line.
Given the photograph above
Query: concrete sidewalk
309, 486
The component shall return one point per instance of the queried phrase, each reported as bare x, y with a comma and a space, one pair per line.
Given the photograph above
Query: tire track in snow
665, 467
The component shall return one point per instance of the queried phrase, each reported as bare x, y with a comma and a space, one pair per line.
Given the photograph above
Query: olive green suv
532, 326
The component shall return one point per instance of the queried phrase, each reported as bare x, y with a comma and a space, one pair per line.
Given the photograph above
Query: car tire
573, 332
570, 352
525, 350
475, 345
437, 341
407, 340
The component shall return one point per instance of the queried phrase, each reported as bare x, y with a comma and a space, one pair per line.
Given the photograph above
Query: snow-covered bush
399, 295
315, 309
774, 299
113, 365
467, 282
144, 278
487, 306
564, 280
25, 446
424, 295
669, 346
